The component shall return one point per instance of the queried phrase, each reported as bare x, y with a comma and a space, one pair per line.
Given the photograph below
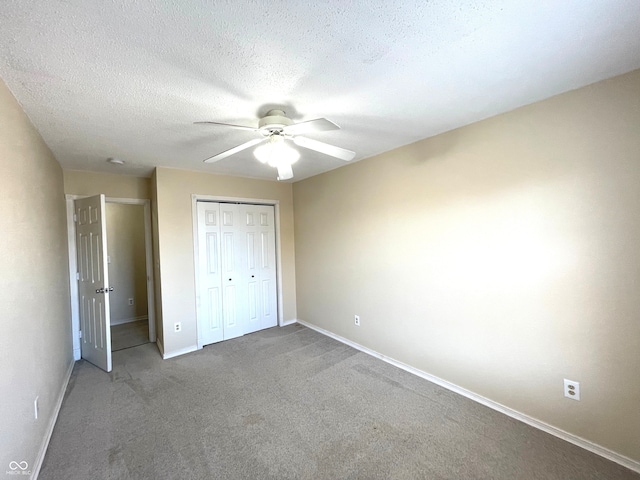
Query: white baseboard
122, 321
52, 423
289, 322
545, 427
177, 353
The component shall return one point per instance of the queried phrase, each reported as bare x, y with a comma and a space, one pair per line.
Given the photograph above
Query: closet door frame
195, 198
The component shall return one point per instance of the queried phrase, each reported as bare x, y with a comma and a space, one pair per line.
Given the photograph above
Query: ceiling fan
275, 129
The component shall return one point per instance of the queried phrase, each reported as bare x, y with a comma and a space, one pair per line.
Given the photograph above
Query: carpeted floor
290, 403
129, 335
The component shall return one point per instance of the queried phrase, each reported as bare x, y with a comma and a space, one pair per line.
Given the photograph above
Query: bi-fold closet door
236, 270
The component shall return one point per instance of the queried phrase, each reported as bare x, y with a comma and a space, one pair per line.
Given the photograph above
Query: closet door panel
266, 265
235, 293
209, 300
251, 276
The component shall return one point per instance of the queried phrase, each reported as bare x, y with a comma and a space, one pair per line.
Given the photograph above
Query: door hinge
80, 335
77, 275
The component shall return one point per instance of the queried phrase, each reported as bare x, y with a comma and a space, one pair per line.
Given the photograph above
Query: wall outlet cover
572, 389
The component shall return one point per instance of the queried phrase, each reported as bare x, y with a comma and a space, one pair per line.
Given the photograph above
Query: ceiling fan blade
332, 150
243, 127
231, 151
317, 125
285, 172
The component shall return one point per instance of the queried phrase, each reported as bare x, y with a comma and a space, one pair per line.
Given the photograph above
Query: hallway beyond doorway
129, 335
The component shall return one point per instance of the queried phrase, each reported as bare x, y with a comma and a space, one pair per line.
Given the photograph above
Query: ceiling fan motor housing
273, 121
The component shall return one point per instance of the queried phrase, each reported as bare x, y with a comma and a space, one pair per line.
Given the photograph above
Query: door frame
195, 198
73, 266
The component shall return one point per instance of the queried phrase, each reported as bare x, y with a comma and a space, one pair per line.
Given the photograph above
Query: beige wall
127, 262
502, 257
112, 185
35, 344
175, 243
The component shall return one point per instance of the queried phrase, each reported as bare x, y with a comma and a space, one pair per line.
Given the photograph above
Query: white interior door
252, 275
234, 291
93, 281
259, 230
209, 274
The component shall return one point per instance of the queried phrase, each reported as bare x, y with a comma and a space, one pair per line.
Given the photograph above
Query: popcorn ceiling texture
121, 79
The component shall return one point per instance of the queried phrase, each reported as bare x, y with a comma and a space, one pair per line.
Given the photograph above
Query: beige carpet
290, 403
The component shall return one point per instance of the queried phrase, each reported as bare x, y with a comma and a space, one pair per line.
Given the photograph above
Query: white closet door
236, 270
252, 276
266, 265
259, 229
209, 274
234, 288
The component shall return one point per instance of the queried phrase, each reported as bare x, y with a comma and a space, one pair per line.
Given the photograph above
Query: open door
93, 281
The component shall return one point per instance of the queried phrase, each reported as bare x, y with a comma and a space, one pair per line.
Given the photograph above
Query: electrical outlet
131, 301
572, 389
177, 327
357, 319
36, 407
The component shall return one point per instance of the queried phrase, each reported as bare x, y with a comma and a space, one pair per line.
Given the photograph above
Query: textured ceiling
126, 79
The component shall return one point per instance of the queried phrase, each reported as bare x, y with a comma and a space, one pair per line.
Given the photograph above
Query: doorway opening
126, 262
129, 261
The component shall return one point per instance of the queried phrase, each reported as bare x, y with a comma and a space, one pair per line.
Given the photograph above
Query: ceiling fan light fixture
274, 128
275, 152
